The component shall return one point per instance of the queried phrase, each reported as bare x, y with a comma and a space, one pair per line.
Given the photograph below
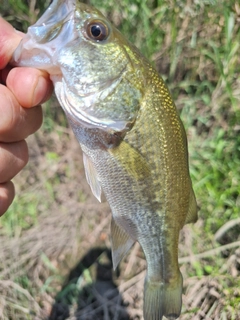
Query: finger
13, 157
6, 196
4, 73
30, 86
9, 39
16, 123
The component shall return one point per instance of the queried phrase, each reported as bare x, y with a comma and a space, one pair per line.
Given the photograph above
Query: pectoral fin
192, 211
121, 243
92, 178
131, 160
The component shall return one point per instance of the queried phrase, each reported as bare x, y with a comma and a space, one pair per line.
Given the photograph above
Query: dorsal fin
192, 209
92, 178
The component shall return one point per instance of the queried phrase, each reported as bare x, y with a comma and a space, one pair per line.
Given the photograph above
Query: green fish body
133, 141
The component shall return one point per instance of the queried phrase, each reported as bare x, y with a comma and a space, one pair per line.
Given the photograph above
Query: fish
133, 141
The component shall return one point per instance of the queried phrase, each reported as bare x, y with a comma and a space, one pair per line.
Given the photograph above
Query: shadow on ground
98, 299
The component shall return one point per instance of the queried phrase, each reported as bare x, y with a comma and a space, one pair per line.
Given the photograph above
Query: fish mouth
53, 30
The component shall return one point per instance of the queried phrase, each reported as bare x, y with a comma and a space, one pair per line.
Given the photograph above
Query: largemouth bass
133, 141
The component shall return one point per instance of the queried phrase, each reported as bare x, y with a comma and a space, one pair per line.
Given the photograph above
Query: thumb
9, 39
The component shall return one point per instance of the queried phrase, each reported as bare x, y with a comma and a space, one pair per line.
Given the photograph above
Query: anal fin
121, 243
91, 176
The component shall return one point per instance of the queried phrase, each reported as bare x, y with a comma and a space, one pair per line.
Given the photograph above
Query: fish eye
97, 30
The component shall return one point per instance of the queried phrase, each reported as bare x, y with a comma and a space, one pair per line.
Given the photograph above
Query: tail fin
162, 299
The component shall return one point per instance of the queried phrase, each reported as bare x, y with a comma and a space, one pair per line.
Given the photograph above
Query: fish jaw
43, 41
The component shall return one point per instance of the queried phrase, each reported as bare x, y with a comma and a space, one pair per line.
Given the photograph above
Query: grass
54, 220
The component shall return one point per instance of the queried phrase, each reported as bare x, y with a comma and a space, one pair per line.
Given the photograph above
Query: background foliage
54, 220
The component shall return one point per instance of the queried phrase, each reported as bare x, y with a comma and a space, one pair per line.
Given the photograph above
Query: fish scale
133, 141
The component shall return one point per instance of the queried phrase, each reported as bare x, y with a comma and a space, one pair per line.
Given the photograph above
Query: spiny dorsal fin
192, 211
91, 176
121, 243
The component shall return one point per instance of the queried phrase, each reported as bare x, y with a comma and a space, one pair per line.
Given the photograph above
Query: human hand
20, 90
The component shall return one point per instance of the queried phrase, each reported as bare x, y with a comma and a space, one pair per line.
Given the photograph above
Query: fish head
97, 74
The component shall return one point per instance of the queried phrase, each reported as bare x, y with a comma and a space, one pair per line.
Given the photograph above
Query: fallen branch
224, 229
209, 253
